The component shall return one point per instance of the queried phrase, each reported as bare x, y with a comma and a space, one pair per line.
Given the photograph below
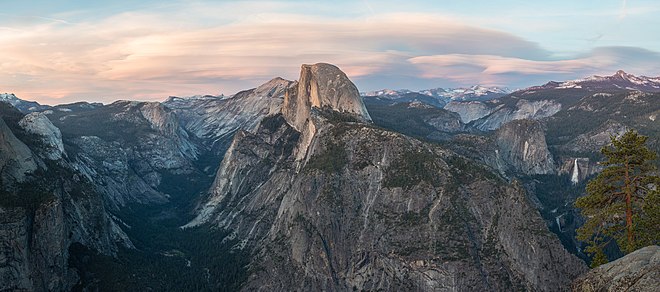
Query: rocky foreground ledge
638, 271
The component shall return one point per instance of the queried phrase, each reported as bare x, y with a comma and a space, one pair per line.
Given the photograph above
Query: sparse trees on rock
622, 201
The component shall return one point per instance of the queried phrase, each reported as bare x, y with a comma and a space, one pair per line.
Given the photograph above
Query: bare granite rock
16, 159
39, 124
322, 86
336, 204
521, 144
638, 271
43, 213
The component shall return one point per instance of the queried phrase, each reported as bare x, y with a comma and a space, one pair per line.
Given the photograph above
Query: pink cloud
151, 55
499, 70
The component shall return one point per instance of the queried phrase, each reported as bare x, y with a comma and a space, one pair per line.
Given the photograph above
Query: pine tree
622, 201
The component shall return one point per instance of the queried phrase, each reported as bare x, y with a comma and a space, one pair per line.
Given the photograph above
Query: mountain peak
621, 73
275, 87
8, 96
619, 81
444, 95
22, 105
322, 85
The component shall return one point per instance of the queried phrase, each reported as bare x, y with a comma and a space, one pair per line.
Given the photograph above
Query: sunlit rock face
469, 111
322, 86
40, 125
523, 109
324, 201
215, 119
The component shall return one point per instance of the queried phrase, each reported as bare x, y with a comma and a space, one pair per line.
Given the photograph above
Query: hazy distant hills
438, 96
619, 81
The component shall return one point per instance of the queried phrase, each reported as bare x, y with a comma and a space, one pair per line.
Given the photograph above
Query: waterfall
557, 218
575, 177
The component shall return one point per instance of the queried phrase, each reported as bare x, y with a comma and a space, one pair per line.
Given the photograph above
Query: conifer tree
622, 201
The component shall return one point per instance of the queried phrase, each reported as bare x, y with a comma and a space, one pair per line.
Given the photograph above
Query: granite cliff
46, 205
637, 271
323, 200
322, 86
521, 144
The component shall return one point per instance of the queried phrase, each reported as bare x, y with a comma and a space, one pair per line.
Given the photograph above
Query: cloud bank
148, 56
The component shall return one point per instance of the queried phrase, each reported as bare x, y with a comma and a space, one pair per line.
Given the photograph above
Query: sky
66, 51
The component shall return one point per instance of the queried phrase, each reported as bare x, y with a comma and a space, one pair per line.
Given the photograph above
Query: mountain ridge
619, 80
346, 170
309, 202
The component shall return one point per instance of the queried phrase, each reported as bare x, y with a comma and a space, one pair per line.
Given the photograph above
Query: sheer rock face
521, 144
127, 148
344, 222
34, 244
523, 109
43, 213
637, 271
16, 159
595, 139
328, 204
322, 86
215, 120
40, 125
469, 111
579, 168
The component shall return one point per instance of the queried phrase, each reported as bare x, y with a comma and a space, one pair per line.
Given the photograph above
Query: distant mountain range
306, 184
22, 105
436, 96
619, 81
476, 92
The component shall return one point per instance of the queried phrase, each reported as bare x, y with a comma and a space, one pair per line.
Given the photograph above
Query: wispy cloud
150, 55
499, 70
624, 9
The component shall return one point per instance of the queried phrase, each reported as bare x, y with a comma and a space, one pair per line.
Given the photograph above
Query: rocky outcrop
214, 120
579, 168
45, 212
368, 209
521, 145
445, 123
34, 243
119, 174
304, 103
22, 105
523, 109
128, 149
173, 149
360, 215
322, 86
637, 271
38, 124
595, 139
469, 111
16, 159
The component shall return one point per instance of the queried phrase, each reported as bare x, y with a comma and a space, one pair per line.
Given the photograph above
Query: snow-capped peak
9, 97
22, 105
386, 93
475, 92
620, 80
467, 93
